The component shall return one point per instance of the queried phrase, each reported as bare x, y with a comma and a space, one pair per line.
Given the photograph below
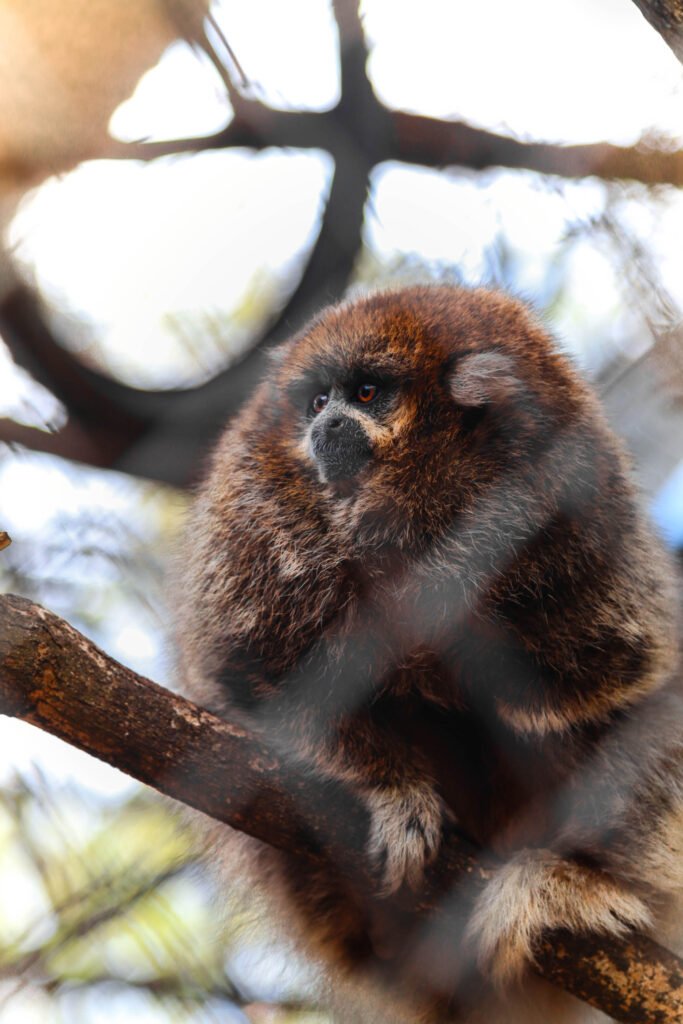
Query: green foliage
108, 897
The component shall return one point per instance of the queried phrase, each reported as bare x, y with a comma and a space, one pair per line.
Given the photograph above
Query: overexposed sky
181, 236
570, 71
567, 71
75, 531
136, 250
182, 97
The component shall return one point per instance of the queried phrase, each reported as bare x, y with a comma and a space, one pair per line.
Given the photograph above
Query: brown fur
476, 627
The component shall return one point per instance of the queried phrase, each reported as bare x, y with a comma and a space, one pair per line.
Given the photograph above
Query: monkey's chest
502, 793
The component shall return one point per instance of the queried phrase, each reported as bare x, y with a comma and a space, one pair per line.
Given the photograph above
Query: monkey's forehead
396, 332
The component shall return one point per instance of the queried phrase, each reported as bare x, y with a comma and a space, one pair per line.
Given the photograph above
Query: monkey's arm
331, 708
406, 813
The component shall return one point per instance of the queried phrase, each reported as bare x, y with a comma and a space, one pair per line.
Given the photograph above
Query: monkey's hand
406, 823
535, 891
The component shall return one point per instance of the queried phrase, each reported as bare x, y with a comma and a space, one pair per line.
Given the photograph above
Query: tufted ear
484, 377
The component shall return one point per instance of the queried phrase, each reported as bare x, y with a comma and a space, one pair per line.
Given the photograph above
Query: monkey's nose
334, 424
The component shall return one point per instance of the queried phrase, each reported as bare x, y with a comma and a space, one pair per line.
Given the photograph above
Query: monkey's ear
481, 378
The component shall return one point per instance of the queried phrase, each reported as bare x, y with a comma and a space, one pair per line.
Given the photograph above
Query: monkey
419, 560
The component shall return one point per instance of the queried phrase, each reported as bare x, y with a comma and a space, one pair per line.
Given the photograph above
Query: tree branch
666, 16
72, 441
432, 141
53, 677
438, 143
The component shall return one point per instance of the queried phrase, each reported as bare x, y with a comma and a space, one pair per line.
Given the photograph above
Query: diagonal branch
666, 16
53, 677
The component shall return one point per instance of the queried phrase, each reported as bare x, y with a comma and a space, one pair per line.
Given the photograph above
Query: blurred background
181, 185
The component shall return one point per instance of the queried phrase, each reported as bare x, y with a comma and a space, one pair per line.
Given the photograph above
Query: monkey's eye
319, 403
367, 393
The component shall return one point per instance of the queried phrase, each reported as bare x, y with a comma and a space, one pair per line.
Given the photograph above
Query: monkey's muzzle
339, 445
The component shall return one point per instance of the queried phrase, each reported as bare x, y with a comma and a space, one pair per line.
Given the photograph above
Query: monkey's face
399, 404
347, 420
355, 406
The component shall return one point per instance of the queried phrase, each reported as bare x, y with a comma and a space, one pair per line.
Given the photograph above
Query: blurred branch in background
107, 899
159, 434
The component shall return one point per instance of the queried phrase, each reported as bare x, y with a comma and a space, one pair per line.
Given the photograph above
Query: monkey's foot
405, 832
536, 891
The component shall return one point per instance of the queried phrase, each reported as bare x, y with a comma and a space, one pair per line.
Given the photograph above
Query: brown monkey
418, 559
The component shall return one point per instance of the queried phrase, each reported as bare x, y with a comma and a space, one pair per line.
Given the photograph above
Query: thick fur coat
418, 560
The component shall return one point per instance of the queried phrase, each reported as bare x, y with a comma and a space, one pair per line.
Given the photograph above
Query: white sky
42, 502
182, 235
288, 50
183, 96
193, 235
567, 71
126, 244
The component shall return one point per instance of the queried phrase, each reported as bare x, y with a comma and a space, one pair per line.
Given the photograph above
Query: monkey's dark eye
319, 403
367, 393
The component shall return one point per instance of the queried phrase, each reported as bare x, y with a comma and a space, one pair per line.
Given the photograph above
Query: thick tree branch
53, 677
666, 16
433, 142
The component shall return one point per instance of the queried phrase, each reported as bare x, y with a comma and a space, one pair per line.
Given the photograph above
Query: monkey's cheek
534, 893
406, 827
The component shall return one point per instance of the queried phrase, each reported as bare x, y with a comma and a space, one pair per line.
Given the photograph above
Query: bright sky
128, 247
181, 236
81, 518
215, 228
567, 71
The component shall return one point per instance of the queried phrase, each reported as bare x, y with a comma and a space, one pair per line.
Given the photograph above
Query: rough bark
53, 677
666, 16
